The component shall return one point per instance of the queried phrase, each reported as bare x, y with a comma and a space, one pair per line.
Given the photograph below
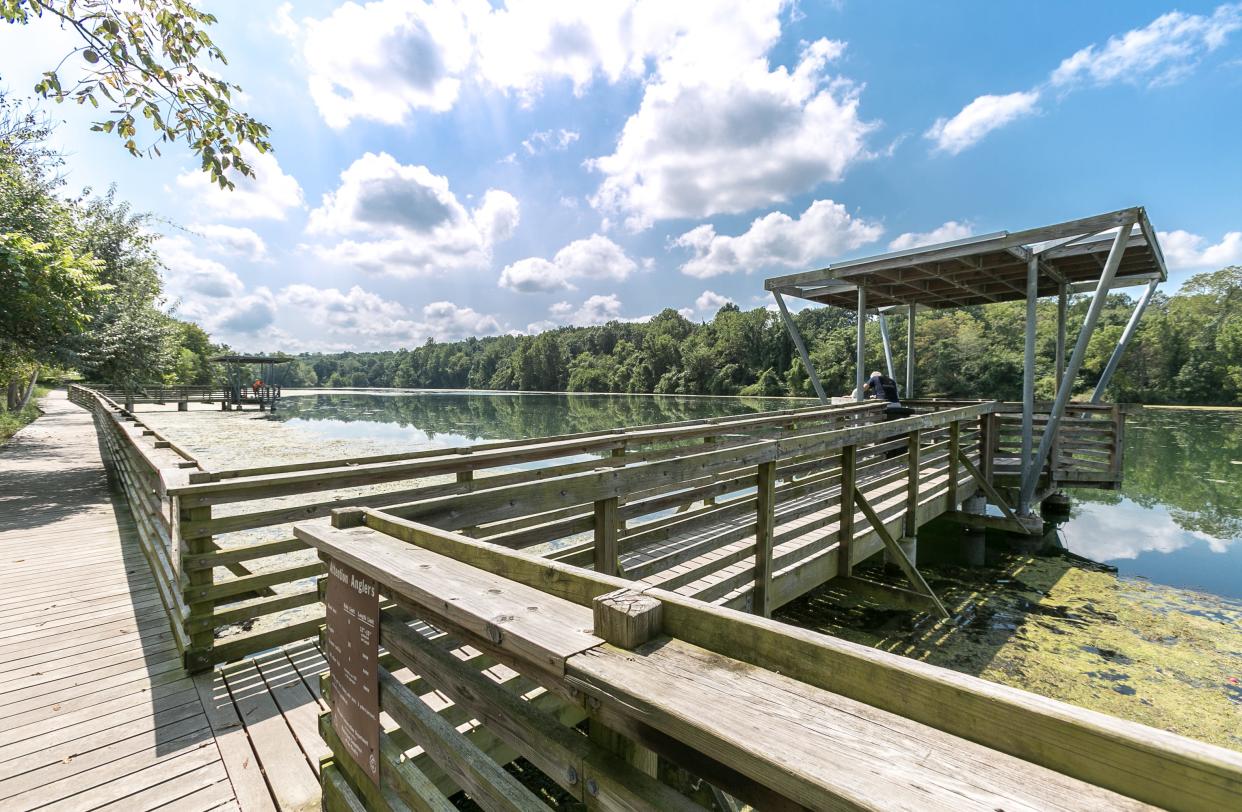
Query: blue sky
448, 169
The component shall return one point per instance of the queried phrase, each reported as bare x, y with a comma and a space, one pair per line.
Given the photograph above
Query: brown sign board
353, 651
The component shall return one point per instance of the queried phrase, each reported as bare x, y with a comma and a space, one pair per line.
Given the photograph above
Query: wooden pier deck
96, 711
101, 609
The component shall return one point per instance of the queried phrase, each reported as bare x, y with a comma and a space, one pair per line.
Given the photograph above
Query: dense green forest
1187, 350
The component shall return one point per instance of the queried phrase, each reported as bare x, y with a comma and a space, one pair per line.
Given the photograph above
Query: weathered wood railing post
987, 443
955, 442
709, 440
845, 537
765, 521
910, 527
199, 578
607, 515
627, 619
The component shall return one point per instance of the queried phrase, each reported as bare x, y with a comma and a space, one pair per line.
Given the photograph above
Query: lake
1177, 519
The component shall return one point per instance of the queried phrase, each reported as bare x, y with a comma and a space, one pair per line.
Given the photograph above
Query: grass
13, 422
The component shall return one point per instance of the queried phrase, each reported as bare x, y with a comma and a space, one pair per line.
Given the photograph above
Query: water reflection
1178, 516
442, 419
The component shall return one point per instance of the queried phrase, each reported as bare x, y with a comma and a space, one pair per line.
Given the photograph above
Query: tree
145, 58
49, 294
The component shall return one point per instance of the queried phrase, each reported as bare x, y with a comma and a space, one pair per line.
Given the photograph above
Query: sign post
352, 603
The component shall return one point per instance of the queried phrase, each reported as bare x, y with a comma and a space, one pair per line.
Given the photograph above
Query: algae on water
1165, 657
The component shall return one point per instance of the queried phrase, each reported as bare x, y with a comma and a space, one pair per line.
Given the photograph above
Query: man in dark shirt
881, 386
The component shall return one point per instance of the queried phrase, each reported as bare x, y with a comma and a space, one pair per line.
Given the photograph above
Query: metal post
909, 393
860, 373
1062, 305
797, 340
888, 348
1030, 477
1028, 368
1126, 335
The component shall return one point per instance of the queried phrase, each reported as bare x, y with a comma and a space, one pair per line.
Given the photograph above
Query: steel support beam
1126, 335
861, 346
909, 393
1030, 477
1062, 307
888, 348
797, 340
1028, 369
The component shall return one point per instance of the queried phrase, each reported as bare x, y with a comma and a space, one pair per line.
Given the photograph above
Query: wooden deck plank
151, 786
236, 749
288, 772
94, 706
63, 779
297, 704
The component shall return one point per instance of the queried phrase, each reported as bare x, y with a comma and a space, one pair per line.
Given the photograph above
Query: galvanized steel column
1028, 370
909, 393
797, 340
1030, 477
1126, 335
861, 350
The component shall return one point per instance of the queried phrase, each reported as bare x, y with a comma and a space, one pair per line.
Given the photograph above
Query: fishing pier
586, 617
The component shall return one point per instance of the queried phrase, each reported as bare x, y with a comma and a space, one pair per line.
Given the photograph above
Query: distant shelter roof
251, 359
988, 268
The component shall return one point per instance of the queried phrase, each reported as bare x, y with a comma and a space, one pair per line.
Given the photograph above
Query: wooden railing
143, 464
244, 583
217, 507
160, 394
486, 654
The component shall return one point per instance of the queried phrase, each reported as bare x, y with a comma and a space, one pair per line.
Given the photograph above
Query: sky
445, 169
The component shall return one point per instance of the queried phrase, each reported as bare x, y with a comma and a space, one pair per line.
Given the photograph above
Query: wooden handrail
716, 660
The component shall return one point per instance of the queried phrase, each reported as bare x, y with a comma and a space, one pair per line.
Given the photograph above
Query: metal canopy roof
988, 268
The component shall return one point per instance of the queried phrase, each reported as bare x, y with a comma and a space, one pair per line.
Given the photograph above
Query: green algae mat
1165, 657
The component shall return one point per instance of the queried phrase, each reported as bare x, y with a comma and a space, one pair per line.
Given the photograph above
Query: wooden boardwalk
95, 709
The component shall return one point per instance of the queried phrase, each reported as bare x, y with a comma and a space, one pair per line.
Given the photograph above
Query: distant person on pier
881, 386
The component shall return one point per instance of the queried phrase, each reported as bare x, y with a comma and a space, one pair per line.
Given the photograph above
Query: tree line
1188, 349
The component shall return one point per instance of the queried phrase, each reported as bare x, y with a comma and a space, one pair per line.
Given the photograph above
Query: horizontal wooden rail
776, 716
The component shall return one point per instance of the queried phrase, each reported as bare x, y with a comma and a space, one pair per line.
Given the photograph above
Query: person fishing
881, 386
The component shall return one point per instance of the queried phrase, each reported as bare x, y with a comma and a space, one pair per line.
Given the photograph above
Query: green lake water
1177, 519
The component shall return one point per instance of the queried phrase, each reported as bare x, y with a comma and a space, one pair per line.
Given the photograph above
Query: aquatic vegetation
1165, 657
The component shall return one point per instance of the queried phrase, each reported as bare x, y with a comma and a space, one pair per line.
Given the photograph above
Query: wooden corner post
765, 522
607, 527
197, 580
955, 443
845, 538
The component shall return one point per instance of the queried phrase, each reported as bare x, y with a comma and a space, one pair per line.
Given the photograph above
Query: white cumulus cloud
383, 60
980, 117
821, 233
1164, 51
709, 302
386, 60
732, 135
191, 277
413, 222
268, 195
595, 257
232, 240
550, 141
1185, 251
952, 230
